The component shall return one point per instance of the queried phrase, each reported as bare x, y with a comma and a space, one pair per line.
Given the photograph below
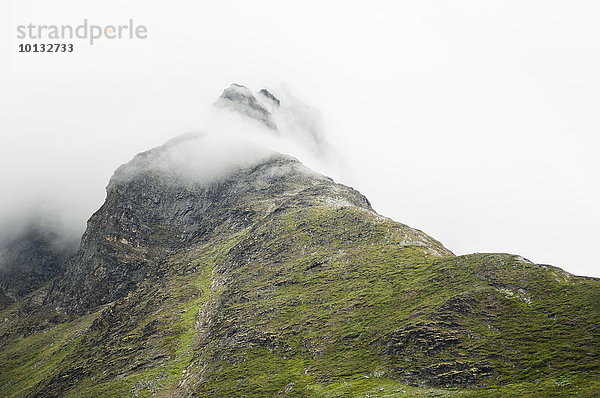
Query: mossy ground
321, 302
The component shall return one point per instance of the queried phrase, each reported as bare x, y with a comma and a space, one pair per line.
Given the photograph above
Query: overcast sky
476, 122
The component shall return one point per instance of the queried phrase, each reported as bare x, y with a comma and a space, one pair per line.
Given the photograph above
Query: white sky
476, 122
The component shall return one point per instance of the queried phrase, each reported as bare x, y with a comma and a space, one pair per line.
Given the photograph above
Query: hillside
265, 278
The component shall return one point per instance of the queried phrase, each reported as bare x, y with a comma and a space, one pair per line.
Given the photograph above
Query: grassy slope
322, 302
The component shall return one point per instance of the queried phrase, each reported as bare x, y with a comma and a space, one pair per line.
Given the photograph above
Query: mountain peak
279, 112
240, 99
194, 189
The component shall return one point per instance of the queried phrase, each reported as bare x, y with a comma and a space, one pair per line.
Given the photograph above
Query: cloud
235, 135
274, 118
242, 129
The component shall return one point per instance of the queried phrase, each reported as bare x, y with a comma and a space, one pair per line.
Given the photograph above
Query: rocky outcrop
31, 258
152, 212
240, 99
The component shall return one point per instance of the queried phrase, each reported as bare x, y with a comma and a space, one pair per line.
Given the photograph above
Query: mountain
217, 268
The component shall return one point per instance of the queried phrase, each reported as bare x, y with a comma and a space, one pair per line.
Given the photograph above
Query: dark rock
31, 258
270, 96
240, 99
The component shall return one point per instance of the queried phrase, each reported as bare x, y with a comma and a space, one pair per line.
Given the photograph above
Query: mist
476, 123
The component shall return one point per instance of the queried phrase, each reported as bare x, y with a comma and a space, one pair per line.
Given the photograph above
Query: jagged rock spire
240, 99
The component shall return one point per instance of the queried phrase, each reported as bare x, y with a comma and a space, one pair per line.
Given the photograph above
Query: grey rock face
270, 96
240, 99
151, 212
281, 113
29, 259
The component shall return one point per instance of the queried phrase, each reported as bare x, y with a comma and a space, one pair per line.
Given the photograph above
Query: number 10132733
46, 48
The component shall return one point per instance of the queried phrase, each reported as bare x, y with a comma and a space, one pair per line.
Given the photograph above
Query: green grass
323, 302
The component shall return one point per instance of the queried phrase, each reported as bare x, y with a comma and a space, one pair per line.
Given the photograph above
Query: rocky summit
225, 270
